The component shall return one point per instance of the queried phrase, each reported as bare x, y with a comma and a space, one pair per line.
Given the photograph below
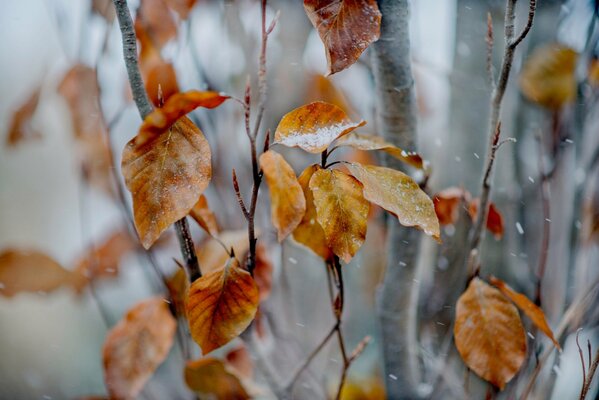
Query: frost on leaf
346, 27
136, 346
209, 377
341, 210
397, 193
314, 126
489, 334
166, 172
286, 196
221, 305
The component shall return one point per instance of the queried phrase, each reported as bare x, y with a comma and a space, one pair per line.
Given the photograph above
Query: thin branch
546, 209
584, 371
244, 210
531, 15
589, 377
489, 41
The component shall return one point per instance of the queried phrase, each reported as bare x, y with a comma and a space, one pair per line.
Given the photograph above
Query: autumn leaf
221, 305
371, 142
263, 272
286, 196
489, 334
160, 81
104, 8
178, 287
532, 311
213, 253
181, 7
136, 346
397, 193
154, 17
447, 203
346, 27
166, 172
548, 77
309, 232
209, 377
341, 210
204, 216
314, 126
21, 128
31, 271
494, 218
320, 88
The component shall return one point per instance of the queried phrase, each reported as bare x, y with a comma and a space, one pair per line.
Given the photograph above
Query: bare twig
489, 40
584, 371
546, 225
590, 375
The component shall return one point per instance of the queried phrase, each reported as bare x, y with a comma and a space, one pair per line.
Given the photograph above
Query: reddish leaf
181, 7
21, 128
154, 17
489, 334
31, 271
221, 305
494, 218
313, 127
208, 377
447, 203
204, 216
341, 210
397, 193
309, 232
166, 172
263, 272
346, 27
532, 311
240, 361
136, 346
286, 197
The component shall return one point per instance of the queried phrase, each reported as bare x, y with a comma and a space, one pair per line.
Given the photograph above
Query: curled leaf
314, 126
371, 142
532, 311
489, 334
341, 210
221, 305
397, 193
309, 232
286, 197
209, 377
136, 346
166, 172
204, 216
346, 27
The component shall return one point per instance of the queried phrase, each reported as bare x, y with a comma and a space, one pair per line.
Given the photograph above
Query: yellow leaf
209, 377
221, 305
397, 193
211, 254
341, 210
314, 126
286, 197
489, 334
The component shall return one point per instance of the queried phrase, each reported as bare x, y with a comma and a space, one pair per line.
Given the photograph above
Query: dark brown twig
590, 376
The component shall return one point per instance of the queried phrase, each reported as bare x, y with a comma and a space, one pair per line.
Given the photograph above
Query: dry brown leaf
209, 377
21, 128
314, 126
346, 27
166, 172
319, 88
240, 361
204, 216
212, 255
181, 7
263, 272
104, 8
397, 193
136, 346
160, 81
494, 218
489, 334
341, 210
309, 232
31, 271
532, 311
154, 17
286, 197
447, 204
221, 305
371, 142
548, 76
178, 287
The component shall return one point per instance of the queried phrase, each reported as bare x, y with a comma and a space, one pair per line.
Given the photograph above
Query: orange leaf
548, 76
346, 27
221, 305
529, 308
181, 7
21, 128
309, 232
447, 203
263, 272
166, 172
397, 193
319, 88
31, 271
314, 126
494, 218
178, 287
161, 81
341, 210
489, 334
286, 197
154, 17
208, 377
211, 254
204, 216
371, 142
136, 346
